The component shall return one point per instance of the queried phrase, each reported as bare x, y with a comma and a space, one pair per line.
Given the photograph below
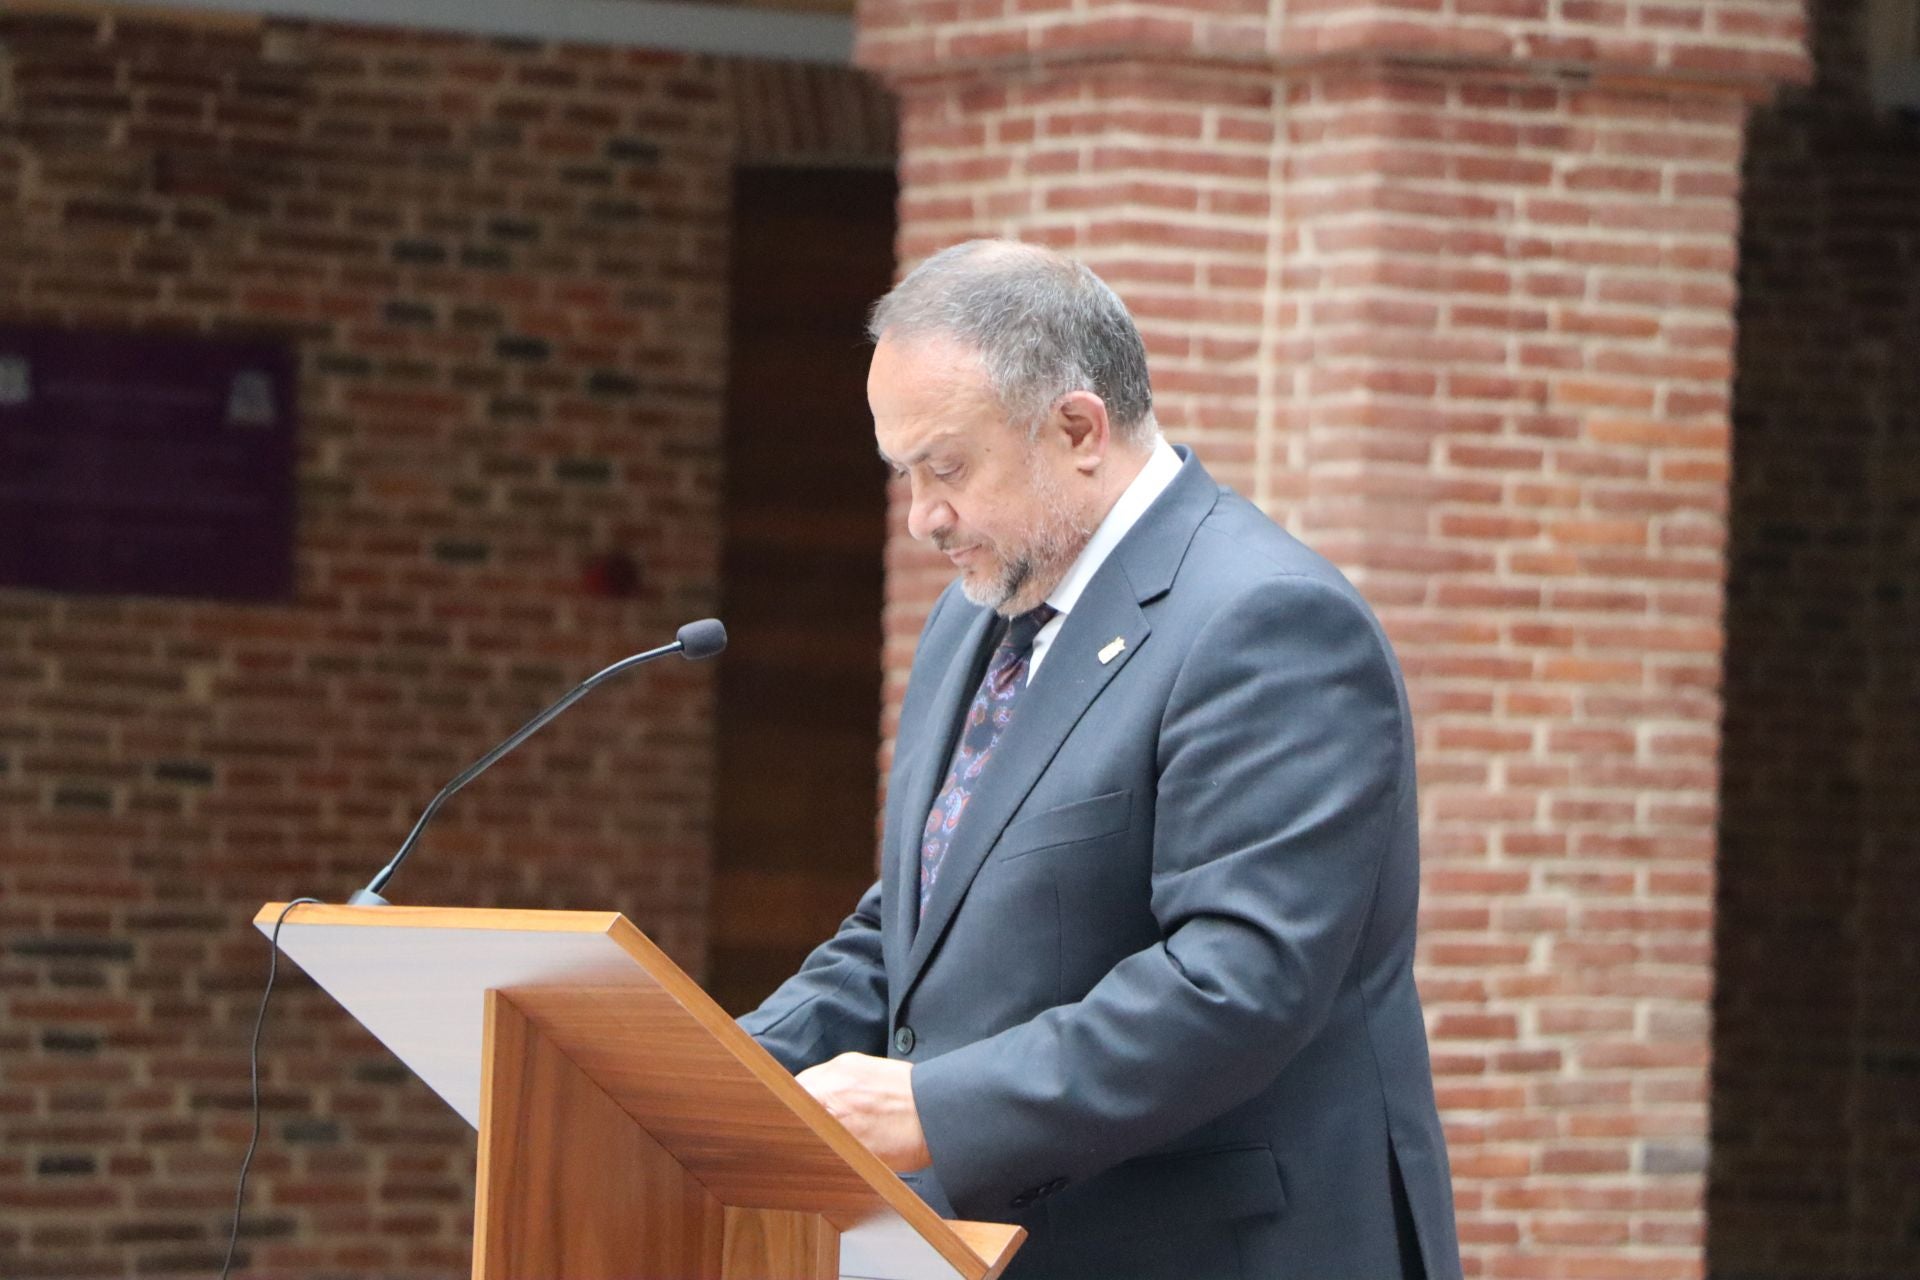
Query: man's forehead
927, 365
927, 394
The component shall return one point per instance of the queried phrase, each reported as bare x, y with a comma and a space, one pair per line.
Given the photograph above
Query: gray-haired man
1137, 971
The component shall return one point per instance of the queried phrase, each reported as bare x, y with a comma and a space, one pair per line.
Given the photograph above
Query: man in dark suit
1137, 972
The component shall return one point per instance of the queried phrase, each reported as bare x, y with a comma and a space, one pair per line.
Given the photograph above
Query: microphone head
702, 639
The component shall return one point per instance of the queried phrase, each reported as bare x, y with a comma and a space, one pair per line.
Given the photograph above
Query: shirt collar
1161, 469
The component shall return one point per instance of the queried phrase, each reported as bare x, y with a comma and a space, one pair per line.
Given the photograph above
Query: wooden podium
629, 1130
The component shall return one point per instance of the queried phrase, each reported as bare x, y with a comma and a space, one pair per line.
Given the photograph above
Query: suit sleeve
836, 1003
1282, 757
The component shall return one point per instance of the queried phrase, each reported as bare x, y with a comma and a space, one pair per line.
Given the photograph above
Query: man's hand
873, 1097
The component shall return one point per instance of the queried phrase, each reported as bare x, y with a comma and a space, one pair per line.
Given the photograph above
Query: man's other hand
873, 1098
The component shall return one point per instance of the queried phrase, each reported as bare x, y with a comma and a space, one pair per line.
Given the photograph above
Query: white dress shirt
1162, 466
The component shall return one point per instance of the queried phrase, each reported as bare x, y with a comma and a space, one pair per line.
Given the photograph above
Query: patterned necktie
987, 719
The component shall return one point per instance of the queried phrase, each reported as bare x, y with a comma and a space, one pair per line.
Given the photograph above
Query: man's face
1001, 507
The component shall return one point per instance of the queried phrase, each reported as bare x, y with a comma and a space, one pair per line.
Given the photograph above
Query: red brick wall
1816, 1122
1468, 329
502, 267
1516, 442
1727, 41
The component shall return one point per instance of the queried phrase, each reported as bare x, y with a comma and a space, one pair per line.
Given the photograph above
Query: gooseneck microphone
696, 640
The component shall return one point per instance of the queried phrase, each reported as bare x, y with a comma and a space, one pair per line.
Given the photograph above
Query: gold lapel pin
1112, 649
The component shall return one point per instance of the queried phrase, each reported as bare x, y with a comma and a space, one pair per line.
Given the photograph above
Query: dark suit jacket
1161, 1007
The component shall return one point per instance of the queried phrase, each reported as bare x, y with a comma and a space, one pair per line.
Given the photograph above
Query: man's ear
1081, 417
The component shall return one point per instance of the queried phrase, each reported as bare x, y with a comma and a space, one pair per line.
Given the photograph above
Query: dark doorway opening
805, 527
1816, 1064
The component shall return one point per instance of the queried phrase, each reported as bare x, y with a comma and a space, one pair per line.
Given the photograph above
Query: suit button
903, 1040
1024, 1199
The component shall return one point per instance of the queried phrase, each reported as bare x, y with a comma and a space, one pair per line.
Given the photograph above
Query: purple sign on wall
146, 464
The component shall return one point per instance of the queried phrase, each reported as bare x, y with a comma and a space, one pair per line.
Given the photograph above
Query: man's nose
928, 517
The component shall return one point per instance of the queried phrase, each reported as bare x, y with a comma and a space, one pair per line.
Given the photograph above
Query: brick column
1450, 294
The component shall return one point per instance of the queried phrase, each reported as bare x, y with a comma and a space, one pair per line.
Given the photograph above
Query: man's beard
1046, 552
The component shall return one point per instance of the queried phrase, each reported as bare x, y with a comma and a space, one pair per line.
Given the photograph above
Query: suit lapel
1140, 570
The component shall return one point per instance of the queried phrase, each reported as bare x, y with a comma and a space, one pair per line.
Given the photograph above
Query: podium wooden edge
994, 1243
978, 1250
439, 918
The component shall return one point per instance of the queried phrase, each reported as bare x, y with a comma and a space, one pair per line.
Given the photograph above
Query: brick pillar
1451, 296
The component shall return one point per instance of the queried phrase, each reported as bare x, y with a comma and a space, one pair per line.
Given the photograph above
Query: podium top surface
607, 997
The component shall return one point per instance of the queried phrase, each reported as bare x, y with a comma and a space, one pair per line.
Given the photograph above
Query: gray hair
1042, 324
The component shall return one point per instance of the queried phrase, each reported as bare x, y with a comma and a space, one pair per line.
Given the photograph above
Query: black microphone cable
253, 1070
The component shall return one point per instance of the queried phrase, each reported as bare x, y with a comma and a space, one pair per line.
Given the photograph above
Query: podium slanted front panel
556, 1153
589, 990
